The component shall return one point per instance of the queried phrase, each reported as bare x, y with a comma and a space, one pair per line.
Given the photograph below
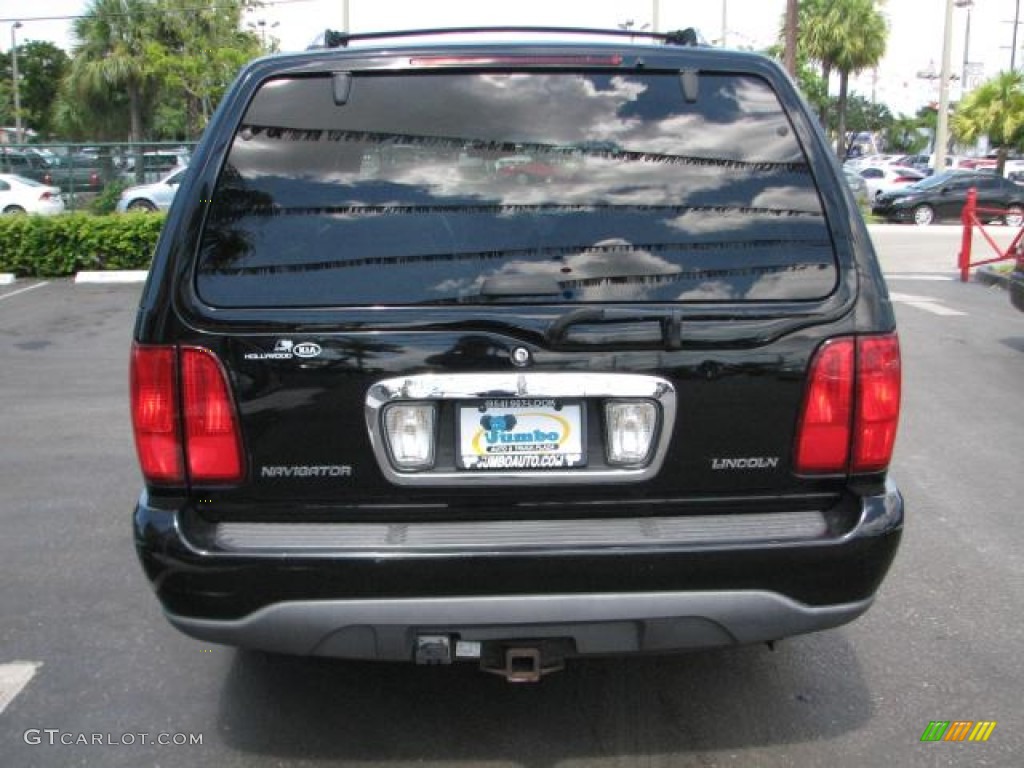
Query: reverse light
630, 427
409, 429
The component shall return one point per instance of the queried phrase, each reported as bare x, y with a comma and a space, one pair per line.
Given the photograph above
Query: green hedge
56, 246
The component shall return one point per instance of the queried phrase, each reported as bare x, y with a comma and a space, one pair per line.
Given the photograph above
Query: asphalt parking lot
942, 642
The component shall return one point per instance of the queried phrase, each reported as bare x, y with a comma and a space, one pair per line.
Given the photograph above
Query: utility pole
725, 22
655, 16
942, 132
968, 4
18, 135
1013, 47
344, 16
789, 56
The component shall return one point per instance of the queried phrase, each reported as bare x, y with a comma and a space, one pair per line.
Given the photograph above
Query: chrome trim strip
470, 386
495, 536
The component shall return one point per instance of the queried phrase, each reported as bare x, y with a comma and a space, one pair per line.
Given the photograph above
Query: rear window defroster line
550, 252
248, 132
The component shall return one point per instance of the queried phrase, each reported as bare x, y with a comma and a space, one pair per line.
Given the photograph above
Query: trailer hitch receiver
524, 665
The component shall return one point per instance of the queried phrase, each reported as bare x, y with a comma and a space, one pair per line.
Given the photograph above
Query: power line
152, 10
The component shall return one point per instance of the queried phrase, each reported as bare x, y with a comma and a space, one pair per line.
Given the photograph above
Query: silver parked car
857, 184
151, 197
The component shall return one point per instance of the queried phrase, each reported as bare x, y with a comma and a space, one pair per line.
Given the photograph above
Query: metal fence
85, 171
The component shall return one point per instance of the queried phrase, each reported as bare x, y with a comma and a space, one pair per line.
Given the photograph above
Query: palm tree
862, 30
847, 36
816, 40
995, 109
906, 135
109, 55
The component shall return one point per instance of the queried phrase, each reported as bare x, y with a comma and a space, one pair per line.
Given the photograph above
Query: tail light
184, 417
823, 439
878, 402
851, 408
46, 197
154, 396
212, 443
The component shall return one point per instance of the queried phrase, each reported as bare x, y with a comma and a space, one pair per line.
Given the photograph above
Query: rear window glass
464, 188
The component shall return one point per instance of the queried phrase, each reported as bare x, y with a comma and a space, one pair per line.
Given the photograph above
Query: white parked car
1014, 170
881, 178
867, 161
21, 195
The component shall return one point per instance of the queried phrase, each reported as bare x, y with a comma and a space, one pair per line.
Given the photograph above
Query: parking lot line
112, 276
923, 277
23, 290
13, 678
926, 303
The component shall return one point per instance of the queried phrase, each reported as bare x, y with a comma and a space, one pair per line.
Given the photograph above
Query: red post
968, 216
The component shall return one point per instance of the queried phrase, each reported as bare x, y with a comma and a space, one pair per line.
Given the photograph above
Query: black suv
392, 401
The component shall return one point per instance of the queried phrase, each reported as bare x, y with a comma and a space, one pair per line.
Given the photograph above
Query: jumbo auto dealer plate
521, 433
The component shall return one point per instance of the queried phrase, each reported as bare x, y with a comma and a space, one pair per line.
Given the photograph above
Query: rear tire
924, 215
14, 209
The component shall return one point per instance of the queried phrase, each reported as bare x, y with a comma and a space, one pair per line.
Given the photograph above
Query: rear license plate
521, 434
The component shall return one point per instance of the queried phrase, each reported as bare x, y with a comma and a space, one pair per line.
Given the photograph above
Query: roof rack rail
334, 39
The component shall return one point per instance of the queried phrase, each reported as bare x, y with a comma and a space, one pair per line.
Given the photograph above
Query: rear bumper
595, 623
609, 586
